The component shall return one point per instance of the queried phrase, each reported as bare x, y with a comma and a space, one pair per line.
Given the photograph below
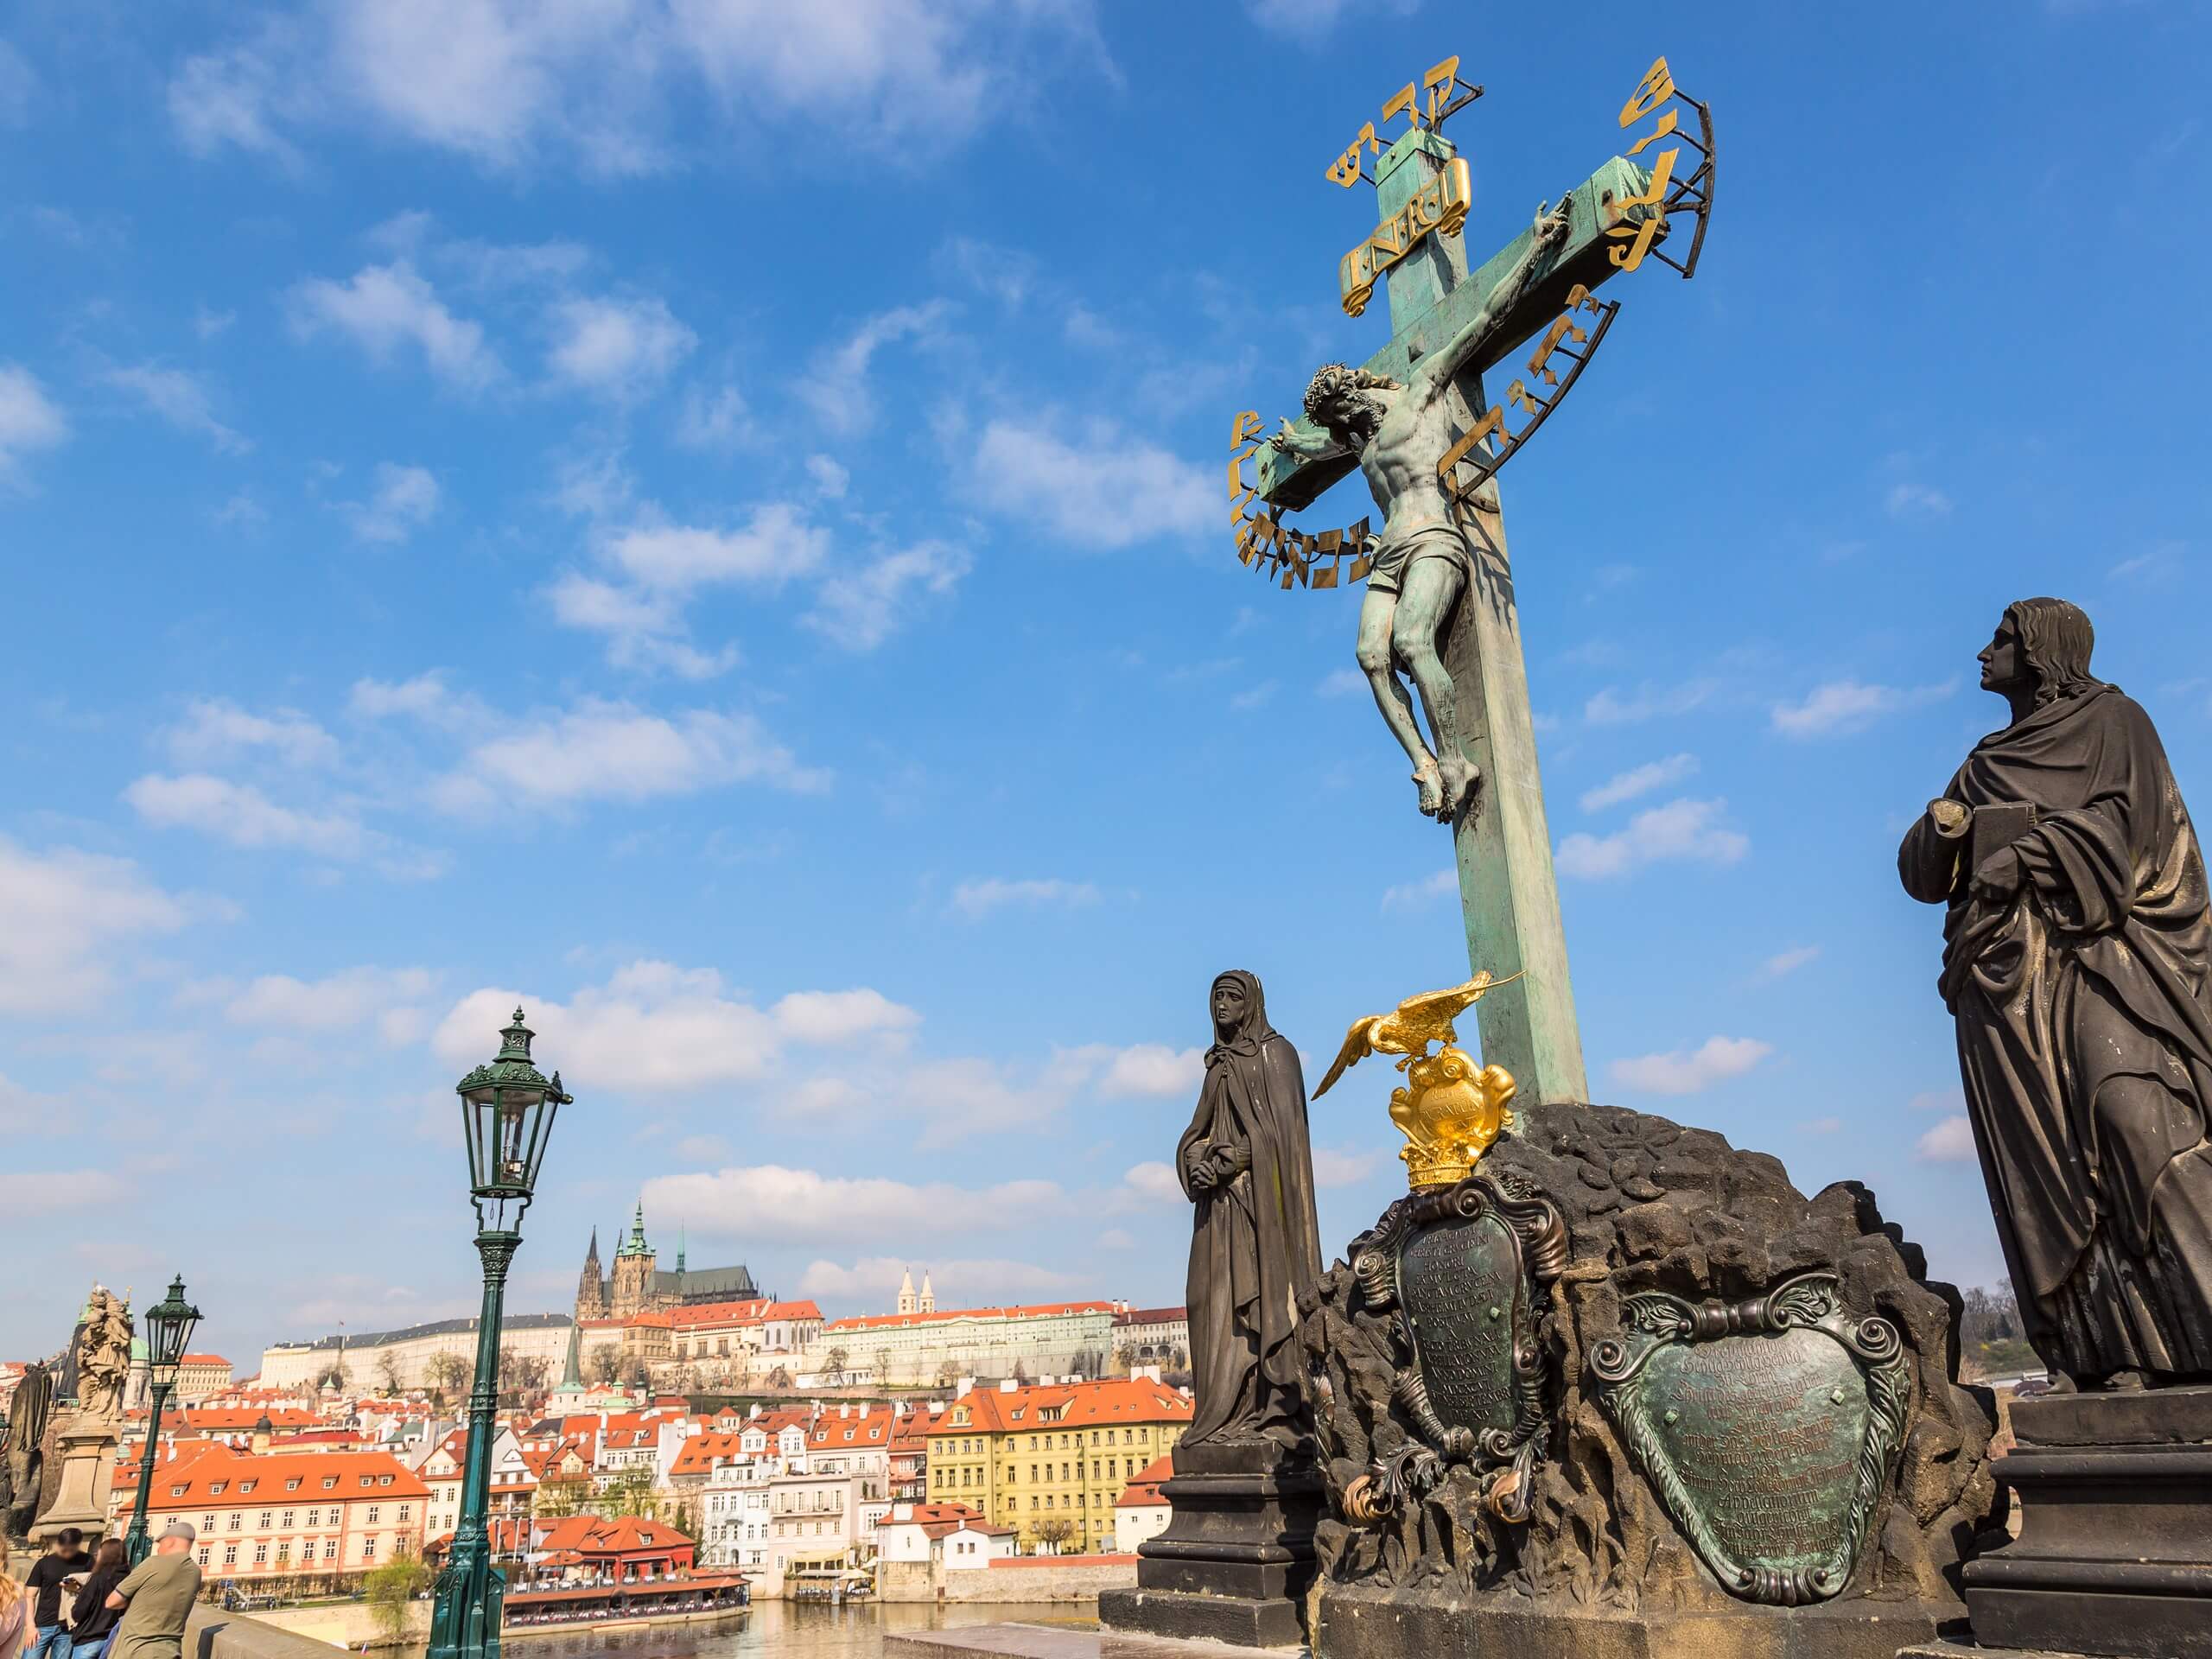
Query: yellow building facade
1051, 1461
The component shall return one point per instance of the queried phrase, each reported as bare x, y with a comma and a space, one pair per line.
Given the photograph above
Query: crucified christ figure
1400, 433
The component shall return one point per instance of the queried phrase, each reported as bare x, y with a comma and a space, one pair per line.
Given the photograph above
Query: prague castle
639, 1286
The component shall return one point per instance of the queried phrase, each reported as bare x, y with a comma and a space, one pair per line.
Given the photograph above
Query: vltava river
788, 1629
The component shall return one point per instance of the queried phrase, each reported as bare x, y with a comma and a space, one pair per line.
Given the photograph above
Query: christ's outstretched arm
1438, 369
1291, 441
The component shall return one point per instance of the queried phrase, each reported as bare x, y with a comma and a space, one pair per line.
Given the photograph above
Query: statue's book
1993, 828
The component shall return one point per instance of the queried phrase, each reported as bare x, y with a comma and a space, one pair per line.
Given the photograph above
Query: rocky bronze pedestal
2114, 1554
1237, 1560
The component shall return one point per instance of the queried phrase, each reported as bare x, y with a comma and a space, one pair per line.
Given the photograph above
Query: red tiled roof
1080, 1405
870, 1427
1153, 1316
203, 1359
358, 1474
1144, 1485
622, 1535
699, 1452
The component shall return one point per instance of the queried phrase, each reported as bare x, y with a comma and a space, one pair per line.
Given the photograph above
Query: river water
789, 1630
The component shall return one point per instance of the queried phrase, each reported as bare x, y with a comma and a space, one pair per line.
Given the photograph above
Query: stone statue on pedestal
1236, 1559
2077, 959
85, 1435
22, 1451
1256, 1249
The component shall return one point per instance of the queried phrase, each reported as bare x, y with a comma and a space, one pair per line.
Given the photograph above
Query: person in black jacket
91, 1620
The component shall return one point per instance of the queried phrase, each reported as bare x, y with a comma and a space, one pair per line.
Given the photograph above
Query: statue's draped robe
1257, 1245
2097, 975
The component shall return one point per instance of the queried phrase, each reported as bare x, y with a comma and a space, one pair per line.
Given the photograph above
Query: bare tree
883, 1366
780, 1378
604, 1363
387, 1371
521, 1373
833, 1363
448, 1372
1052, 1531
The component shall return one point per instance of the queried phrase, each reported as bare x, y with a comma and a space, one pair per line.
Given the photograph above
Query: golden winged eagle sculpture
1452, 1108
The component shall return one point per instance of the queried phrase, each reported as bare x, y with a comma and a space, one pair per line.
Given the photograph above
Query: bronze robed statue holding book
2077, 959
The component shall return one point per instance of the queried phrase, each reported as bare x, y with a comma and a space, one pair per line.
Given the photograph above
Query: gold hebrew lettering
1518, 393
1666, 126
1438, 84
1629, 258
1403, 100
1360, 567
1236, 484
1655, 194
1326, 543
1655, 89
1326, 578
1563, 327
1579, 298
1247, 425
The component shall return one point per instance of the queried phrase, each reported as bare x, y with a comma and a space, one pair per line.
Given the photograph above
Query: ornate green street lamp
169, 1325
506, 1113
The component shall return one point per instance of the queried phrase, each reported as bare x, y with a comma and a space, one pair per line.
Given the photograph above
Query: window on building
244, 1487
203, 1554
406, 1511
329, 1481
236, 1522
262, 1525
261, 1555
330, 1549
288, 1521
207, 1524
373, 1510
216, 1491
368, 1549
230, 1554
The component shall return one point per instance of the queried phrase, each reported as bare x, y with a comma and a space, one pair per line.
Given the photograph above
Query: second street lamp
169, 1325
507, 1108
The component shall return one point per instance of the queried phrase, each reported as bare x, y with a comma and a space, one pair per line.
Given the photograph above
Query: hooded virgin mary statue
2077, 959
1246, 1164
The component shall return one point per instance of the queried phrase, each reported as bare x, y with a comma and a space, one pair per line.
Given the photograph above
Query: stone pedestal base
2114, 1554
1237, 1560
1384, 1625
86, 1448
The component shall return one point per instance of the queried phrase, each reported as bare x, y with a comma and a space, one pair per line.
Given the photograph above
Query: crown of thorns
1332, 381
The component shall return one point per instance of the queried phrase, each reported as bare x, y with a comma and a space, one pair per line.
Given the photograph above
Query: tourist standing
63, 1560
91, 1620
15, 1618
156, 1598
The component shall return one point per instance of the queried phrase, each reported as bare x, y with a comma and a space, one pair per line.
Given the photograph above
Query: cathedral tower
634, 1271
906, 1290
928, 1304
591, 1288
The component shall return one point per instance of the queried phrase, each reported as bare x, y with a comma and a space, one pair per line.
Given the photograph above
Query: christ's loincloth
1397, 555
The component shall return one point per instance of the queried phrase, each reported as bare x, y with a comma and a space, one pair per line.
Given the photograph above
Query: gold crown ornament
1452, 1107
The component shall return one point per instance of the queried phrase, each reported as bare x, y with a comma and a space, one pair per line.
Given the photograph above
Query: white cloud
1950, 1141
1150, 1183
355, 996
804, 1204
1683, 829
836, 390
1690, 1071
1104, 489
1916, 501
59, 913
980, 896
1844, 706
179, 398
774, 543
426, 698
1638, 781
829, 1018
829, 477
643, 630
718, 422
1334, 1166
1788, 962
1153, 1070
28, 421
238, 98
214, 730
612, 751
1820, 1126
1648, 702
404, 499
1416, 895
208, 324
618, 348
508, 82
1341, 683
242, 816
651, 1027
386, 308
45, 1192
1939, 1100
241, 509
860, 608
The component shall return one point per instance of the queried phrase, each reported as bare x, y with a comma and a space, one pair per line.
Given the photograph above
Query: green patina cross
1508, 892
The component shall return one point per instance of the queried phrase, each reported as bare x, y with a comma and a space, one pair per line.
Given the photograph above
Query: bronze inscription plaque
1460, 1281
1764, 1432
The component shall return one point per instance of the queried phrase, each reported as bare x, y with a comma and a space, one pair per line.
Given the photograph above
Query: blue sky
708, 517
